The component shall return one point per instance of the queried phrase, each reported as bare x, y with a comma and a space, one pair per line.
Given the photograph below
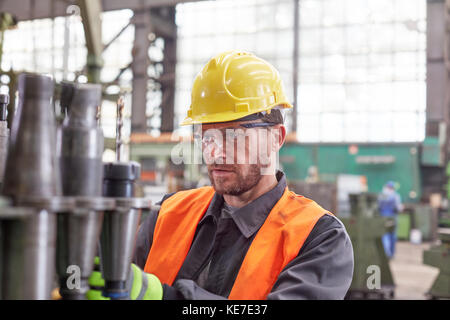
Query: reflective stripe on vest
278, 241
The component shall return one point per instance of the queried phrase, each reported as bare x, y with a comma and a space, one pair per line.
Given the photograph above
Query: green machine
372, 277
439, 256
378, 162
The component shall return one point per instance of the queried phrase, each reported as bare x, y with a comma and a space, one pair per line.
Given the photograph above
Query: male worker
389, 204
246, 236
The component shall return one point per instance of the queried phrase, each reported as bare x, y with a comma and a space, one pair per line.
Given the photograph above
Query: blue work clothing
389, 203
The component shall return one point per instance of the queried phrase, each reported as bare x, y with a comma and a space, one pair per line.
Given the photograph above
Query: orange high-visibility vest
278, 241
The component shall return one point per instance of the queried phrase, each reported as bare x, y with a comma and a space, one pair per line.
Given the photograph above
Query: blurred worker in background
390, 204
246, 236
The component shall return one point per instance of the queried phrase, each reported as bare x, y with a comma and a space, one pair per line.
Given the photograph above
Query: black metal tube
119, 227
120, 178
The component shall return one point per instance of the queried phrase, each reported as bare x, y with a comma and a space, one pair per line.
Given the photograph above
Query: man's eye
208, 140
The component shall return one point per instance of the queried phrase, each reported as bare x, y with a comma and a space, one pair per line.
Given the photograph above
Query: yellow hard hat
233, 85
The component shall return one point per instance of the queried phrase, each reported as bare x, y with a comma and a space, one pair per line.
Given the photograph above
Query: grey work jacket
323, 268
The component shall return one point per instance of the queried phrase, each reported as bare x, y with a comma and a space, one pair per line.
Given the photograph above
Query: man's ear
280, 136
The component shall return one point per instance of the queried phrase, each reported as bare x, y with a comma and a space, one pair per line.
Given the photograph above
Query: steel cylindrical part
120, 178
28, 255
78, 234
4, 135
4, 143
32, 168
84, 104
119, 226
81, 153
81, 149
81, 144
4, 101
117, 242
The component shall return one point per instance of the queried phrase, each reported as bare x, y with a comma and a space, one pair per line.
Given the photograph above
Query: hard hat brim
228, 116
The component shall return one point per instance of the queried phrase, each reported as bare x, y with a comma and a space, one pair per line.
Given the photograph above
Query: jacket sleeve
322, 270
324, 267
184, 289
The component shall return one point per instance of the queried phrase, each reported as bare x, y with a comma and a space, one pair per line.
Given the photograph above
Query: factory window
362, 70
206, 28
361, 62
40, 46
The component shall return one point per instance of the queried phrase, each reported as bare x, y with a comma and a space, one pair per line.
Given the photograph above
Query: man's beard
242, 183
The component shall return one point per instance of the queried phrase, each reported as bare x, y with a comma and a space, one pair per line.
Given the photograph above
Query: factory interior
368, 81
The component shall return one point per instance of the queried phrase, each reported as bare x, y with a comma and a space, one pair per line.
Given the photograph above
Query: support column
437, 76
168, 78
437, 104
91, 14
139, 66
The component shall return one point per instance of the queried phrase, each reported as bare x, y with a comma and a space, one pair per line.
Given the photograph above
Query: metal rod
116, 36
4, 134
119, 125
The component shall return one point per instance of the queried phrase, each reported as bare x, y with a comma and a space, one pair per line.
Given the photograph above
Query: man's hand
144, 286
141, 285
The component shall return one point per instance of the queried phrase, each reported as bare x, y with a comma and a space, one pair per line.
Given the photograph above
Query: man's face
236, 157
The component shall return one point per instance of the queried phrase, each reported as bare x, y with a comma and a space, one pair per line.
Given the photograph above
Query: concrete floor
411, 276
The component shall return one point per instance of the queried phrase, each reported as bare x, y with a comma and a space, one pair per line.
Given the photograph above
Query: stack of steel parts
58, 197
372, 276
80, 155
120, 226
32, 181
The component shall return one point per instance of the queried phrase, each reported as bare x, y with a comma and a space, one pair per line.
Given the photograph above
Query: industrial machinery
13, 220
81, 149
439, 256
32, 180
120, 226
58, 197
372, 277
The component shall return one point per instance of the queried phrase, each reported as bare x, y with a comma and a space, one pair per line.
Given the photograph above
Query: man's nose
218, 153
